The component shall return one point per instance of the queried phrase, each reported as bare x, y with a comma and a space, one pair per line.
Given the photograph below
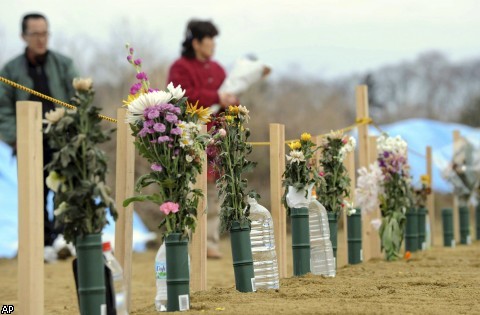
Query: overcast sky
320, 37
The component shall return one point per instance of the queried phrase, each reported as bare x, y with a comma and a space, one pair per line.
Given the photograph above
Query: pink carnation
169, 207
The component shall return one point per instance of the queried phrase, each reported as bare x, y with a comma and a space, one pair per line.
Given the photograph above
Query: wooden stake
375, 249
361, 94
277, 168
198, 247
431, 199
124, 186
456, 220
30, 208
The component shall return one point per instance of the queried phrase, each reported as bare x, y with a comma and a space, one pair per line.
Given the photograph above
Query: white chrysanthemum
189, 158
242, 110
369, 187
395, 145
136, 108
295, 156
177, 92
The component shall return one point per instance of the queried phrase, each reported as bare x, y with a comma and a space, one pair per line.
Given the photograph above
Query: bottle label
424, 246
452, 244
103, 309
469, 240
361, 254
183, 302
253, 284
161, 270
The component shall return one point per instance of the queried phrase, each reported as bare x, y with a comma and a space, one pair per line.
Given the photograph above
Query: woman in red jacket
201, 78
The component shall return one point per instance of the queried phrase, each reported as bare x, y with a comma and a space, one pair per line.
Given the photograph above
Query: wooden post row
30, 208
277, 168
431, 199
124, 188
198, 247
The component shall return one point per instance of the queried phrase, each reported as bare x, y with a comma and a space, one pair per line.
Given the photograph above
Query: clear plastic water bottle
322, 261
117, 277
161, 279
263, 247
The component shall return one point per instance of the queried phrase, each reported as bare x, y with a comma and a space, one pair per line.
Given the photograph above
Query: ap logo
7, 309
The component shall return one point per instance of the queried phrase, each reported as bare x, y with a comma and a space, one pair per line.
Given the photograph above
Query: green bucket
91, 277
178, 273
300, 241
477, 217
333, 226
447, 220
422, 217
464, 216
411, 231
354, 237
242, 257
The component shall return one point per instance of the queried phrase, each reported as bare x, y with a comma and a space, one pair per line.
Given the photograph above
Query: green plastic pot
354, 237
333, 226
422, 216
90, 268
411, 231
447, 221
477, 216
178, 273
300, 241
242, 257
464, 216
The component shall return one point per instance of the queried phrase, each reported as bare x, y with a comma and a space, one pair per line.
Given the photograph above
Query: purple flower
162, 139
151, 112
156, 167
135, 88
131, 50
138, 62
129, 58
159, 127
142, 76
149, 123
171, 118
153, 141
386, 154
176, 131
142, 133
175, 110
150, 90
176, 152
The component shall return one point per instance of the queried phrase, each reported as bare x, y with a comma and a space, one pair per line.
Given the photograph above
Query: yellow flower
305, 137
203, 114
233, 110
130, 99
295, 145
425, 179
229, 118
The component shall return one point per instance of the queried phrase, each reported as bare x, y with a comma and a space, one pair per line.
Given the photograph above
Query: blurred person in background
201, 77
42, 70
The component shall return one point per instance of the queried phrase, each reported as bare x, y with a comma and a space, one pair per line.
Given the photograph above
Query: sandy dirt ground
437, 281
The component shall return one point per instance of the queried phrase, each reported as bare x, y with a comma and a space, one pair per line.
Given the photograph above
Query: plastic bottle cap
106, 246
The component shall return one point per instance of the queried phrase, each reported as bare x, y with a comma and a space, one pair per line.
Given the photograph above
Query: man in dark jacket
40, 69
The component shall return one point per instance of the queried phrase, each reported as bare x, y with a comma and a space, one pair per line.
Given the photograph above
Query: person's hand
227, 99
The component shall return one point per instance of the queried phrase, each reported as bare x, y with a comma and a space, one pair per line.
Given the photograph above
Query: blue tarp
420, 133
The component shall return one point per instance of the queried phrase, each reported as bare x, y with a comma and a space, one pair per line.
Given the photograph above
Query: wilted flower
54, 180
82, 84
296, 156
